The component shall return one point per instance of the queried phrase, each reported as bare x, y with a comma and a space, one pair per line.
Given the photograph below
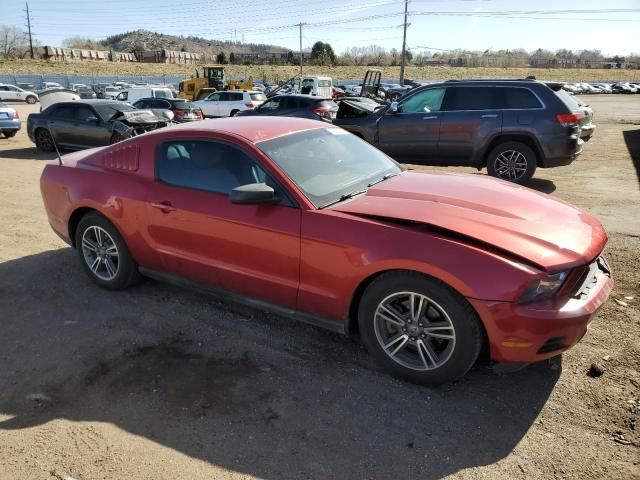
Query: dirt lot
161, 383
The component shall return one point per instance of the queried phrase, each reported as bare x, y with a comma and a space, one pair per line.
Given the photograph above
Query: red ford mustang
307, 220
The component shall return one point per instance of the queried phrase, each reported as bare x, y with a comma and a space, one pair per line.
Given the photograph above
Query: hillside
275, 73
145, 40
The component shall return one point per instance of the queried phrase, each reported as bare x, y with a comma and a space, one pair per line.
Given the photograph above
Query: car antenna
60, 162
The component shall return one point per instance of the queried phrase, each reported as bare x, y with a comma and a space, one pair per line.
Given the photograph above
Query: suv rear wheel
512, 161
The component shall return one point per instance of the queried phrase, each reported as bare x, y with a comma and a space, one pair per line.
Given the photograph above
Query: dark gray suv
509, 126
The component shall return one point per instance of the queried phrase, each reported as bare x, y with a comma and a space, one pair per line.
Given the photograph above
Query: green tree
222, 58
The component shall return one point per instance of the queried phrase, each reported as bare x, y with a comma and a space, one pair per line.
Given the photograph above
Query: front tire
31, 99
104, 254
418, 328
512, 161
44, 141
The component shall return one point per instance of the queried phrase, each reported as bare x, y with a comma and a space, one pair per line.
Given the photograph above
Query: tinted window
63, 111
426, 101
269, 105
141, 104
182, 105
210, 166
470, 98
4, 88
509, 97
83, 113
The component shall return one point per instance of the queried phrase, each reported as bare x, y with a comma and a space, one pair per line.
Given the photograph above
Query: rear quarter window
516, 98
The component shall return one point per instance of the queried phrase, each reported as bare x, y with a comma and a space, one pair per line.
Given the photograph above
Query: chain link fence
67, 80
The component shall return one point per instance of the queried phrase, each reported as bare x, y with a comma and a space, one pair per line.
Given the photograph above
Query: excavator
212, 80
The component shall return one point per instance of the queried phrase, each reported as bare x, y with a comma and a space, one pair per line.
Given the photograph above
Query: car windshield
328, 164
163, 93
108, 110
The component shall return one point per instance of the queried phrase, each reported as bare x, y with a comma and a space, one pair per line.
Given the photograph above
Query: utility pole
301, 48
29, 30
404, 42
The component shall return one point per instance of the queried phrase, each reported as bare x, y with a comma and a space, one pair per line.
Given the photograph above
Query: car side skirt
332, 325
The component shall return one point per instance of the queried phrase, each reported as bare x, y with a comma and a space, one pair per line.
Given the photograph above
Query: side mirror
394, 108
93, 120
253, 194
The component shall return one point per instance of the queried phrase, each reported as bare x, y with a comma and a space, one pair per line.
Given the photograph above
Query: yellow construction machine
212, 80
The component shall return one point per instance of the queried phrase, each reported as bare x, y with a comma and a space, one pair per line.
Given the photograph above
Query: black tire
126, 269
9, 133
233, 113
461, 352
44, 141
520, 172
31, 99
115, 138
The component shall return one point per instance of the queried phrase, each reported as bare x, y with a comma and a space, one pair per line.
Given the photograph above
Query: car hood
500, 216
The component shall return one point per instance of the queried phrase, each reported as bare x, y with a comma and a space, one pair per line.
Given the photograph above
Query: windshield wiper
344, 197
386, 177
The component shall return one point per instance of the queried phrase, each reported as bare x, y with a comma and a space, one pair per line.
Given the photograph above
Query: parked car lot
159, 381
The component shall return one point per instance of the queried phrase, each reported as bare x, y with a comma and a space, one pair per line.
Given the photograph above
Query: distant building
163, 55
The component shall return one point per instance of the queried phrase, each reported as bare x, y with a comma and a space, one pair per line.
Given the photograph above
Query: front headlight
543, 288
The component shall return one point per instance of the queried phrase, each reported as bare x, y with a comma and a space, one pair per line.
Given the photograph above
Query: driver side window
214, 97
270, 105
205, 165
423, 102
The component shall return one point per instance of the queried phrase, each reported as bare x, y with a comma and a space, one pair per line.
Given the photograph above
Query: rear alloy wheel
512, 161
44, 141
418, 328
104, 254
31, 99
9, 133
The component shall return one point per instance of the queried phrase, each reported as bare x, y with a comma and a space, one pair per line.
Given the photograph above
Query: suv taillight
249, 105
569, 119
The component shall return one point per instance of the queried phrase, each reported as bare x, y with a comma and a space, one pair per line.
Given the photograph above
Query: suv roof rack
530, 78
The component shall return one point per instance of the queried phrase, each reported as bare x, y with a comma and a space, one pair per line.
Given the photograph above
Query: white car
11, 92
230, 102
111, 92
132, 95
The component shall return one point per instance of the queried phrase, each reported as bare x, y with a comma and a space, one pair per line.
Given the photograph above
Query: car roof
253, 129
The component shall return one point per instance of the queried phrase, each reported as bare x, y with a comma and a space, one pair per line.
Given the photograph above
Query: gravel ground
162, 383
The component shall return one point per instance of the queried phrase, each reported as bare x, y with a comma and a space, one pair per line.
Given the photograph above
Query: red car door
253, 250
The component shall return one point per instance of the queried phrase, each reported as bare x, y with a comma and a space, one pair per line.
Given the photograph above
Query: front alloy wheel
414, 331
512, 161
419, 328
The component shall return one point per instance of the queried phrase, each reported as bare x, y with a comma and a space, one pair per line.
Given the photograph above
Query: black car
183, 110
303, 106
89, 123
509, 126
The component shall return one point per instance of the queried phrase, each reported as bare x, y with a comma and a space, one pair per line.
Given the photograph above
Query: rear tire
233, 113
512, 161
31, 99
9, 133
104, 254
418, 328
44, 141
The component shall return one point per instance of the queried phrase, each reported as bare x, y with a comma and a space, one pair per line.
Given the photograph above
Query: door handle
493, 115
164, 207
430, 118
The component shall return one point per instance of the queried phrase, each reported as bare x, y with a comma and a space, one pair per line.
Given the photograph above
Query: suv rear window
513, 97
469, 98
258, 97
568, 99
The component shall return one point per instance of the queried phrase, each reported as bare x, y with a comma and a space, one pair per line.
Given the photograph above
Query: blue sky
439, 24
